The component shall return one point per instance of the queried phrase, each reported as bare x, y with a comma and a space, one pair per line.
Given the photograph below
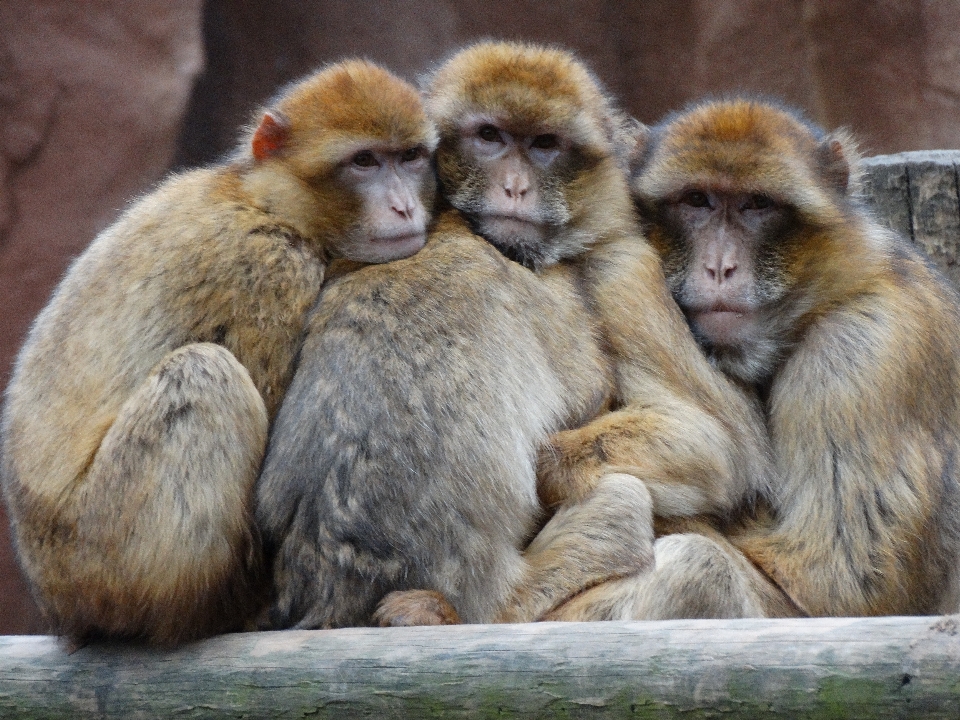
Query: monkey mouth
504, 227
383, 248
721, 323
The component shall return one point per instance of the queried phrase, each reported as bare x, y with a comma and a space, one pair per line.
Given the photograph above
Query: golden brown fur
851, 339
137, 415
673, 411
438, 429
693, 438
404, 455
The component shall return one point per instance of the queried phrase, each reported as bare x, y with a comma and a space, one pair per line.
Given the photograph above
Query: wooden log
893, 667
918, 195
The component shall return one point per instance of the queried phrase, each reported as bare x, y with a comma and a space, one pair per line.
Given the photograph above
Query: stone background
98, 99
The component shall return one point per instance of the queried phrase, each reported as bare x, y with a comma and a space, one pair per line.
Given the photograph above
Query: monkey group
490, 351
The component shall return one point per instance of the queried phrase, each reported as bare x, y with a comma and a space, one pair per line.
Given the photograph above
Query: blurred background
100, 98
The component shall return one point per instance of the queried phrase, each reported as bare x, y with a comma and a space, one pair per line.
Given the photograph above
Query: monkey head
344, 157
749, 207
523, 129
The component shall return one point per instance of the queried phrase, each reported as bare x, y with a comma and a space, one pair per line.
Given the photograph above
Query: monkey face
344, 157
510, 185
394, 190
742, 198
526, 143
726, 256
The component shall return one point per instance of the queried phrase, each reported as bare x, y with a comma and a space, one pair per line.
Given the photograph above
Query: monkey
849, 337
137, 415
400, 485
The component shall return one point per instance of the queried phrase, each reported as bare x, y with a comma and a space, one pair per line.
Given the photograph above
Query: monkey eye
489, 133
547, 141
365, 159
759, 202
696, 198
411, 154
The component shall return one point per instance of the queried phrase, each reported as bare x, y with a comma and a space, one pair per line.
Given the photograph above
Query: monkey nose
403, 205
515, 186
720, 273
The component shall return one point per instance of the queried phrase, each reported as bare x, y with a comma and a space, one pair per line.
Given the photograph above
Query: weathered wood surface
918, 195
826, 668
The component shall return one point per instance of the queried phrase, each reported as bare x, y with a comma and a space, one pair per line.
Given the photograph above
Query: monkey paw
567, 468
406, 608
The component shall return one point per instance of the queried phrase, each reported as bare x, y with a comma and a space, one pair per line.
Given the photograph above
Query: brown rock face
888, 69
92, 94
91, 100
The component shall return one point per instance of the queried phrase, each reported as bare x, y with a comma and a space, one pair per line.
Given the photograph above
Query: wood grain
823, 668
917, 194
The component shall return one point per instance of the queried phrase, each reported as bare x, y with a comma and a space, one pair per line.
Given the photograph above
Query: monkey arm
690, 461
694, 438
866, 506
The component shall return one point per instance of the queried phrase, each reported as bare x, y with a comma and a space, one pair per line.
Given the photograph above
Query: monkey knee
611, 528
198, 405
696, 577
620, 505
624, 491
207, 377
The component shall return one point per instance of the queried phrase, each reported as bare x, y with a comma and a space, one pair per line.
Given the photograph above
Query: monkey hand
568, 466
408, 608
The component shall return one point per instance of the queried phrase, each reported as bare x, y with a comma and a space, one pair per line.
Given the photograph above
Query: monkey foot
406, 608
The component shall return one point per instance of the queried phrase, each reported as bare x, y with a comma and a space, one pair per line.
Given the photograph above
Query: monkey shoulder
192, 261
900, 309
891, 349
194, 235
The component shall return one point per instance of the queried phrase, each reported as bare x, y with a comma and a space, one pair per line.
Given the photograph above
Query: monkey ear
271, 135
638, 150
623, 131
833, 163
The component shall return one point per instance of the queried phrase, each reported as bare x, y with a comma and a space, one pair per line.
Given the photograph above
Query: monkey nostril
728, 272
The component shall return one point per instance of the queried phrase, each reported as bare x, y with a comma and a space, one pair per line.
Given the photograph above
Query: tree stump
918, 195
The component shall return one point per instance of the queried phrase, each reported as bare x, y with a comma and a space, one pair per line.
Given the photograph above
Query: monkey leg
607, 534
694, 576
157, 540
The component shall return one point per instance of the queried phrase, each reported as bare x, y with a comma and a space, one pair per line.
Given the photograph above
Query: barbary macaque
137, 415
849, 337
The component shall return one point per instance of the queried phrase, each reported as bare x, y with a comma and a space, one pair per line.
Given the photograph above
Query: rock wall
889, 69
92, 96
97, 98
